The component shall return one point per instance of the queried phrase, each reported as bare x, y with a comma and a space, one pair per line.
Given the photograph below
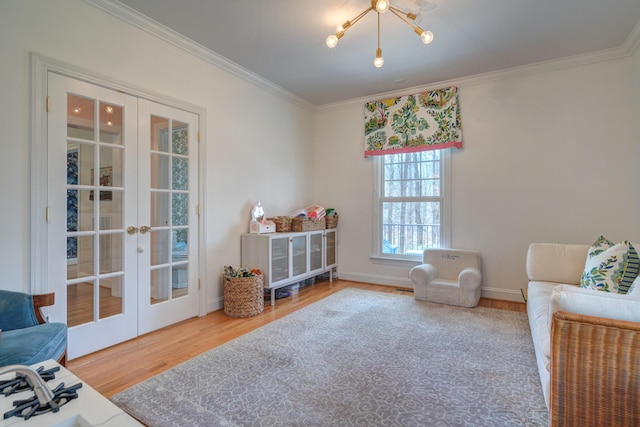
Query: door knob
132, 230
145, 229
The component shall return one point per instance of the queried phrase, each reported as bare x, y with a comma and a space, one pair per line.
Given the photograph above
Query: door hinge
47, 214
198, 210
48, 104
198, 136
198, 284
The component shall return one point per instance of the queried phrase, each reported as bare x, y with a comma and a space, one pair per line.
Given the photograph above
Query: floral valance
426, 121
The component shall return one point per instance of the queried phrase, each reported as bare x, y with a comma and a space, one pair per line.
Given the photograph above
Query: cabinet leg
273, 296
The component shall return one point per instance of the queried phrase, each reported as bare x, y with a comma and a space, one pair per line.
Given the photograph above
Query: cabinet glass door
331, 254
279, 259
299, 254
315, 251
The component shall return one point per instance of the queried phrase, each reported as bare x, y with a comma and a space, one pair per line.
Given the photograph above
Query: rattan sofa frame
595, 371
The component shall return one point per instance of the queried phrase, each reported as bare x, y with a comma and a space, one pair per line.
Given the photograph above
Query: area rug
357, 358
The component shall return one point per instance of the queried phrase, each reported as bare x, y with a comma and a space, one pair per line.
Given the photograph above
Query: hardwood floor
117, 368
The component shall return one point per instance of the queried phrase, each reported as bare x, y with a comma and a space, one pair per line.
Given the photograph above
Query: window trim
445, 214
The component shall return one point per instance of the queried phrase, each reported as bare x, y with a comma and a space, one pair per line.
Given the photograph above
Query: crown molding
143, 22
633, 40
539, 67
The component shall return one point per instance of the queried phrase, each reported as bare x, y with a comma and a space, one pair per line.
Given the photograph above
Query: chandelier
381, 6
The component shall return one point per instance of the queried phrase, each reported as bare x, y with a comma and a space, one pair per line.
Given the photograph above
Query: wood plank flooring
117, 368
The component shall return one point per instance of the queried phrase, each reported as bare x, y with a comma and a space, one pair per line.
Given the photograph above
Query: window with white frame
413, 203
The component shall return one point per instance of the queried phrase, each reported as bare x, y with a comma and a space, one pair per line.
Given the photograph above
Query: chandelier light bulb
382, 6
379, 61
427, 37
332, 41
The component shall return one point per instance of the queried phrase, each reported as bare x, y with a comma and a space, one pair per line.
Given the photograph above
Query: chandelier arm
360, 16
378, 30
378, 61
399, 14
350, 23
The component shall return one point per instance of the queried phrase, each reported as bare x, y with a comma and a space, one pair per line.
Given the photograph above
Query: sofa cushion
554, 262
36, 344
592, 303
610, 267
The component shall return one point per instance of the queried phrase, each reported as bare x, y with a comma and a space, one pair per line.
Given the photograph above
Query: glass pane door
169, 207
168, 150
94, 210
92, 188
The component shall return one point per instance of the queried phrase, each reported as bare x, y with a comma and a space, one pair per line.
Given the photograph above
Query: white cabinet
286, 258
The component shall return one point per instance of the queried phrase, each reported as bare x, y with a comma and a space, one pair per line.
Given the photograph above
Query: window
413, 203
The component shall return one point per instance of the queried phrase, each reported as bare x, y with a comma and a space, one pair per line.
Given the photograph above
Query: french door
123, 225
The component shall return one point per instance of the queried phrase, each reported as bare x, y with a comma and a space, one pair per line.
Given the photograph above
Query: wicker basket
243, 296
332, 221
307, 224
283, 223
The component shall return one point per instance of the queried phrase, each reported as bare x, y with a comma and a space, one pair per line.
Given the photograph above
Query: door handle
132, 230
145, 229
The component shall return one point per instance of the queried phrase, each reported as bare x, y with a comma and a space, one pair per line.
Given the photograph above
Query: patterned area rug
358, 358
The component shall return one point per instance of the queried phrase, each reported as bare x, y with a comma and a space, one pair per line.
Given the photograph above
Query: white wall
541, 159
544, 159
258, 145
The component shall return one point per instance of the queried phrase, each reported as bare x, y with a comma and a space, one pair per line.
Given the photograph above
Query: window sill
396, 260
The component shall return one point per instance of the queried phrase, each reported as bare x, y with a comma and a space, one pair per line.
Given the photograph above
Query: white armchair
448, 276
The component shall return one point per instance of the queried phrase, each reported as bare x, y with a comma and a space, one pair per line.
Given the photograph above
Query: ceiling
283, 41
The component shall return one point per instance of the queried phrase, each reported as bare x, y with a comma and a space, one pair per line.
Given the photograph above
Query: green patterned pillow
610, 267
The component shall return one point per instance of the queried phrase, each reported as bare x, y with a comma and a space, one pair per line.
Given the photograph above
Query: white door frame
40, 66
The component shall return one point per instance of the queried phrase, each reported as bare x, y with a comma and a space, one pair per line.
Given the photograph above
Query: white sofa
554, 272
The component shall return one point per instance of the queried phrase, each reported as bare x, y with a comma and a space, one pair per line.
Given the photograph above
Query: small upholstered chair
448, 276
26, 337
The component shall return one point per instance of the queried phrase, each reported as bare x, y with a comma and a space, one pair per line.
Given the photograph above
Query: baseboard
487, 292
502, 294
215, 304
375, 279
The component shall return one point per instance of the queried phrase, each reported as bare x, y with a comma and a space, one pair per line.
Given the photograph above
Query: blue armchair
25, 336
